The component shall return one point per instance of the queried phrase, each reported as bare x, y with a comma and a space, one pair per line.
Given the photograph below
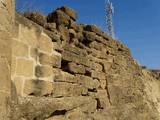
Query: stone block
50, 26
34, 53
93, 28
96, 66
58, 17
71, 57
19, 82
37, 88
88, 82
98, 75
28, 36
57, 46
45, 43
25, 68
88, 37
20, 49
36, 17
70, 12
43, 71
64, 33
61, 89
53, 60
61, 76
74, 68
103, 103
54, 36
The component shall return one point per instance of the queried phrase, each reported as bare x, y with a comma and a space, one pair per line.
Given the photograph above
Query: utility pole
109, 21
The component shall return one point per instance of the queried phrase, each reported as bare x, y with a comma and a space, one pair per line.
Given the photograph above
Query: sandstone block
93, 28
20, 49
50, 26
72, 24
79, 36
96, 66
37, 88
70, 12
98, 75
34, 53
57, 46
36, 17
74, 68
61, 76
71, 57
88, 37
54, 36
24, 32
64, 33
88, 82
58, 17
103, 103
24, 68
61, 89
43, 71
45, 43
53, 60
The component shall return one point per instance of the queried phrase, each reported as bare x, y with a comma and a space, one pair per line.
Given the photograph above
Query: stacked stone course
67, 71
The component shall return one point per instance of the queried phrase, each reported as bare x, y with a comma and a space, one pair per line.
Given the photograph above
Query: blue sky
136, 23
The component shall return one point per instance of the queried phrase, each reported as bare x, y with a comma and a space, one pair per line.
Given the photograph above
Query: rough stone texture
77, 72
6, 33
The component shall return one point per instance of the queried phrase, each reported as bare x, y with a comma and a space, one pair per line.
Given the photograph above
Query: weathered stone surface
43, 71
70, 12
24, 68
74, 68
37, 88
87, 63
93, 28
20, 49
58, 17
45, 43
53, 60
36, 17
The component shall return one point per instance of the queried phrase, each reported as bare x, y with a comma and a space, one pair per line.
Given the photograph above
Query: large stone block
70, 12
43, 71
36, 17
25, 68
65, 36
61, 76
58, 17
98, 75
53, 60
93, 28
45, 43
88, 82
61, 89
28, 36
74, 68
20, 49
37, 88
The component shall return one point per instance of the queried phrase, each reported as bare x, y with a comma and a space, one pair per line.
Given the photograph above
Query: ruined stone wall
67, 71
6, 27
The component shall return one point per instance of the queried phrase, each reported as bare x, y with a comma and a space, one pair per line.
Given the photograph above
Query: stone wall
67, 71
6, 27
